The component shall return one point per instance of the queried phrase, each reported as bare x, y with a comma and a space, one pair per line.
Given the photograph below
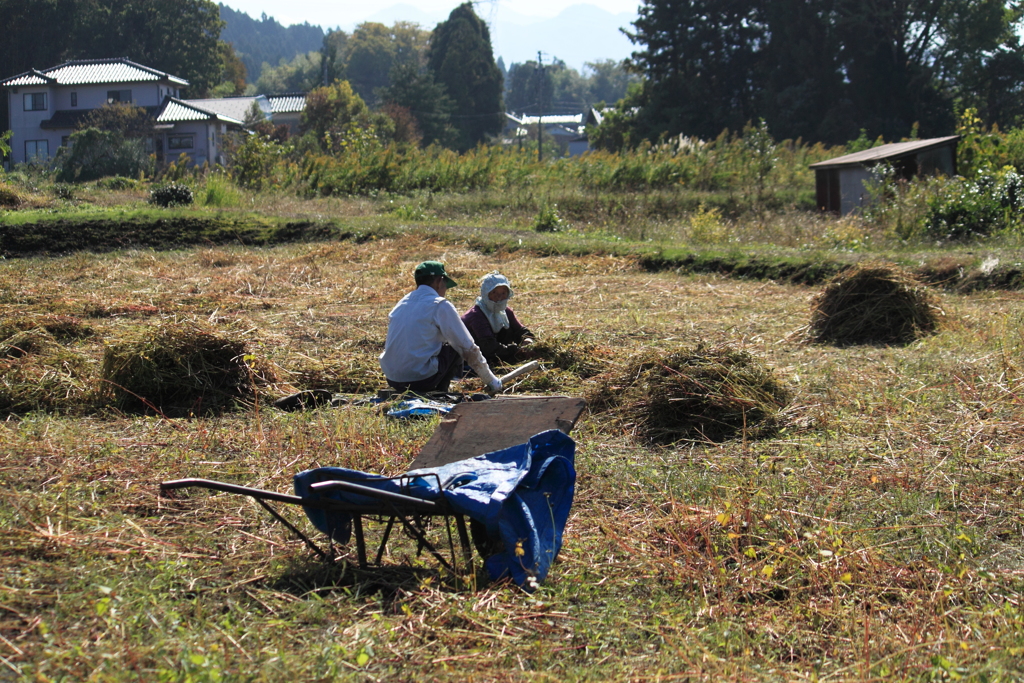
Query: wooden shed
840, 182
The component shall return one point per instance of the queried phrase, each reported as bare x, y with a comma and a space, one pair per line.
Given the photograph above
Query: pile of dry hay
181, 370
571, 352
873, 304
345, 373
38, 373
699, 393
63, 328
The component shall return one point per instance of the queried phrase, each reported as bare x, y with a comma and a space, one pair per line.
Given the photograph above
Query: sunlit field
877, 535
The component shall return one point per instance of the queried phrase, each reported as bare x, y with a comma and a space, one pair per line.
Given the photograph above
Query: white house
46, 107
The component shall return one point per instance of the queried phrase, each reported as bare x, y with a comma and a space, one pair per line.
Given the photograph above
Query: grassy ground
879, 536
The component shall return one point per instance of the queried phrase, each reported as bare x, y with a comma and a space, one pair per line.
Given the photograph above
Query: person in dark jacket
493, 324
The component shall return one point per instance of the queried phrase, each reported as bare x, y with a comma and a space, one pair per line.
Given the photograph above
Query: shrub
98, 153
547, 219
117, 183
9, 197
252, 164
174, 194
64, 191
975, 208
219, 191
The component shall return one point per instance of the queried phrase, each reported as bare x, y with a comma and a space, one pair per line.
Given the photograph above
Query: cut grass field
877, 535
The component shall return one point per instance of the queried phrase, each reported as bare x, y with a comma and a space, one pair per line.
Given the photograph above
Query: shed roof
92, 72
893, 150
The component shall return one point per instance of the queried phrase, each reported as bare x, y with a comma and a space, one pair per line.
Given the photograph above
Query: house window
119, 96
37, 150
179, 142
64, 140
74, 99
35, 101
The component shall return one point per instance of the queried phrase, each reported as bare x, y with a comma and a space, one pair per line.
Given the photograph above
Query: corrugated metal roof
177, 111
288, 103
882, 152
93, 72
563, 119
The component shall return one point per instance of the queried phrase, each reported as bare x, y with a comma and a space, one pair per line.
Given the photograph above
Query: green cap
435, 268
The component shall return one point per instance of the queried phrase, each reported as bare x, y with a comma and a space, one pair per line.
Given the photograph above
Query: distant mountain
265, 40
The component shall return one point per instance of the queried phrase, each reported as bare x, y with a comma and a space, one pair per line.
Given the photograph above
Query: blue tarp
521, 495
419, 407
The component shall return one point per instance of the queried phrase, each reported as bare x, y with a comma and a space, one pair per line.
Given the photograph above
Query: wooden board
472, 429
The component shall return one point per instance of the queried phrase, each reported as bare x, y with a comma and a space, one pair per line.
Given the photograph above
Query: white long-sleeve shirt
417, 328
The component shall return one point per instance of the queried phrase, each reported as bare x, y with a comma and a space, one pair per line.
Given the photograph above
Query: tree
700, 61
415, 90
462, 60
123, 118
233, 74
607, 81
181, 37
265, 40
299, 75
531, 90
823, 69
332, 56
336, 119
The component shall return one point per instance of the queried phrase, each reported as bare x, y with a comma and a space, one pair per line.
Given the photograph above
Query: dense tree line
821, 69
446, 82
181, 37
555, 88
265, 40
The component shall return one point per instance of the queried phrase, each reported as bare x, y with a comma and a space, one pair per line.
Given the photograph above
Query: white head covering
494, 310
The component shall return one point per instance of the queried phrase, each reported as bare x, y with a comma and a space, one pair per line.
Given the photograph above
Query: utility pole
540, 112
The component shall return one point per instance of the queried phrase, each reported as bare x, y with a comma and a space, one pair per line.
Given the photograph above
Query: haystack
182, 370
36, 341
51, 378
63, 328
700, 393
873, 304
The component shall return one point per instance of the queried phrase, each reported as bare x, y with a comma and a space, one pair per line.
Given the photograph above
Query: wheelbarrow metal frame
410, 511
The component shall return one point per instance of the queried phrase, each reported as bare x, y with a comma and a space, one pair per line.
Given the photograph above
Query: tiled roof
92, 72
176, 111
31, 77
289, 103
890, 151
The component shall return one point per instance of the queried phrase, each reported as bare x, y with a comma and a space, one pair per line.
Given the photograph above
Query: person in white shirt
427, 341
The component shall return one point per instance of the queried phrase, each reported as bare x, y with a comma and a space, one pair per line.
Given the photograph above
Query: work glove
494, 387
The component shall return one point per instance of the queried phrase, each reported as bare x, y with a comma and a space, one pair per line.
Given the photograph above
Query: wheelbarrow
516, 498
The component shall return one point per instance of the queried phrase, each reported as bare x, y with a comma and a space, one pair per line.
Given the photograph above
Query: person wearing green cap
427, 341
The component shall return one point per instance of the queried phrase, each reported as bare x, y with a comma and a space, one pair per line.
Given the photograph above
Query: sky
347, 13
